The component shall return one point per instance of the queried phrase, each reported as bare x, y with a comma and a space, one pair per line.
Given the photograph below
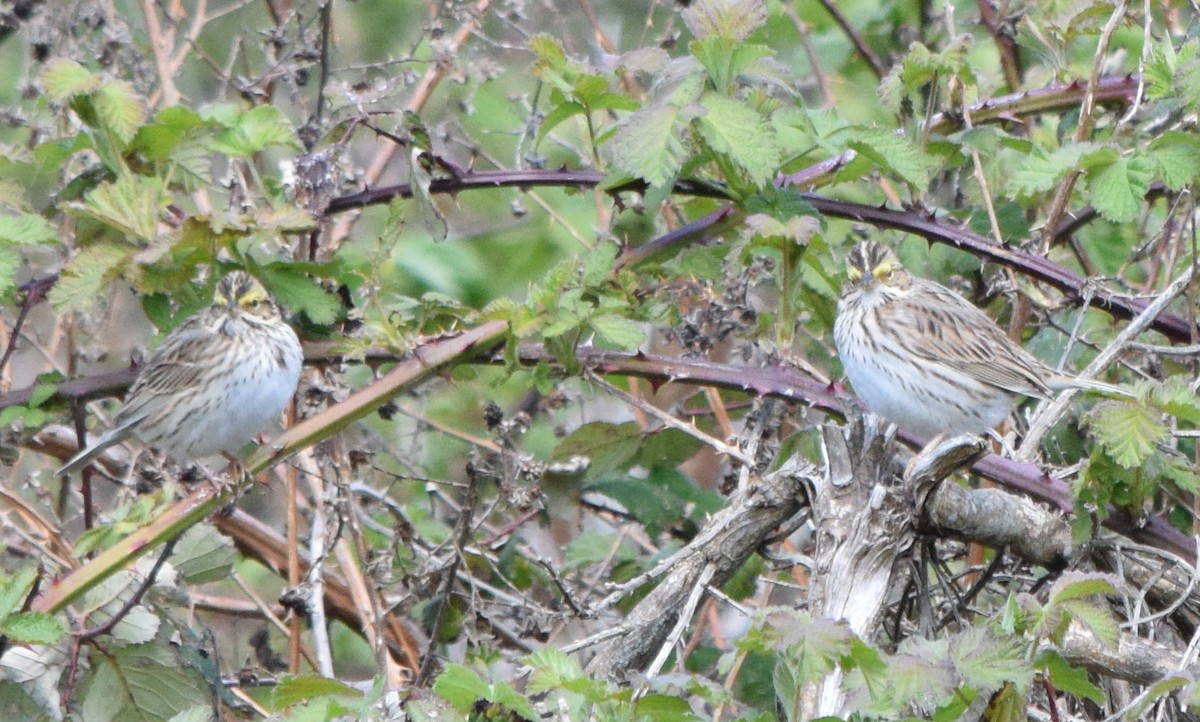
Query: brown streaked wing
180, 363
968, 340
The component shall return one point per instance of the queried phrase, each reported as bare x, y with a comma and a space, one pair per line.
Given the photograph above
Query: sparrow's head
239, 291
871, 265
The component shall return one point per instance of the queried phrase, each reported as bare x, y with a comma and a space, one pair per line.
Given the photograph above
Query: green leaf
917, 674
15, 589
782, 204
293, 689
199, 713
1097, 619
203, 555
1039, 172
1174, 395
121, 110
557, 115
63, 79
892, 152
44, 390
83, 279
734, 129
618, 331
18, 703
142, 681
986, 663
653, 506
1119, 188
33, 628
606, 446
1178, 157
132, 205
552, 668
548, 53
1070, 679
727, 19
1075, 585
10, 262
649, 144
1128, 433
256, 129
158, 138
594, 547
293, 289
667, 448
460, 686
663, 708
27, 229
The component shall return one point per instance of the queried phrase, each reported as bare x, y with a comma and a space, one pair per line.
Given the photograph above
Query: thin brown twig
1062, 196
804, 32
1006, 43
865, 52
465, 525
135, 598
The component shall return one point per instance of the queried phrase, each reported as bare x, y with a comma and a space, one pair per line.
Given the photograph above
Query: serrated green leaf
1097, 619
734, 129
557, 115
729, 19
120, 108
892, 152
548, 52
26, 229
10, 262
649, 144
460, 686
1119, 188
33, 627
1039, 173
63, 79
1160, 69
1074, 585
132, 205
203, 555
1174, 396
257, 129
1185, 81
552, 668
1128, 433
607, 446
83, 279
598, 264
1178, 157
986, 662
618, 331
651, 505
294, 290
143, 681
1182, 474
1070, 679
663, 708
796, 230
15, 589
293, 689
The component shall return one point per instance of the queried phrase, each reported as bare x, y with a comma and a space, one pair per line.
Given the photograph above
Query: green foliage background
600, 178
